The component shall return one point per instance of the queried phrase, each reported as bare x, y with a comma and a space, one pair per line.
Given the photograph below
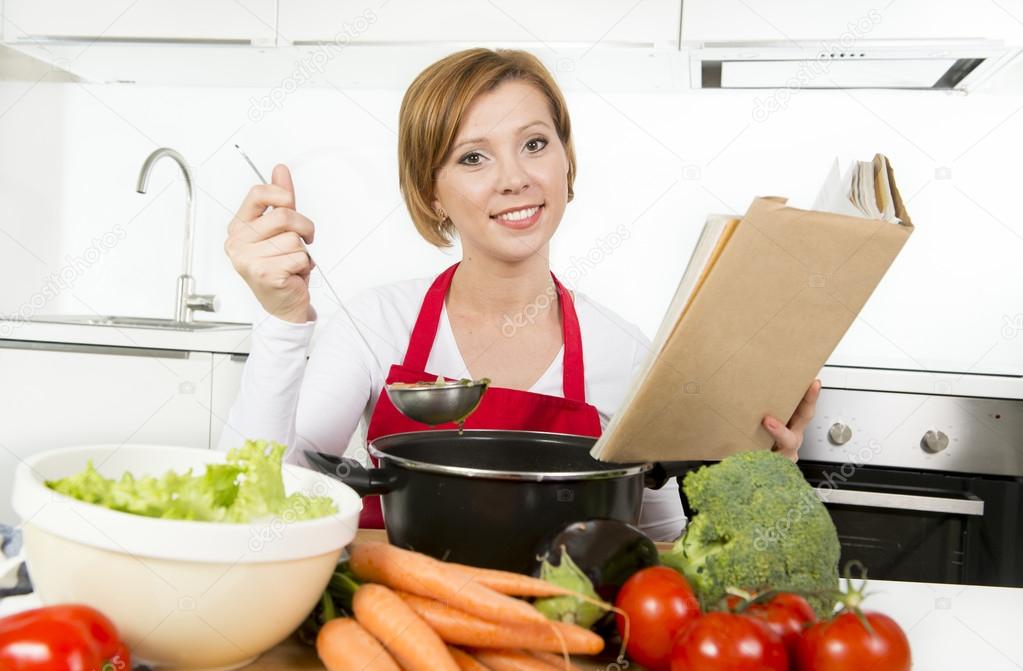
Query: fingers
790, 454
279, 193
281, 220
282, 177
276, 271
246, 255
297, 263
282, 243
805, 410
262, 196
268, 248
786, 441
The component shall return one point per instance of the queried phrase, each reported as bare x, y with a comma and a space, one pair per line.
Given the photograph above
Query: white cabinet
227, 378
255, 20
535, 22
53, 395
540, 22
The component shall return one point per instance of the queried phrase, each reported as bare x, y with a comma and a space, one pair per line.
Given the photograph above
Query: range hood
784, 44
881, 64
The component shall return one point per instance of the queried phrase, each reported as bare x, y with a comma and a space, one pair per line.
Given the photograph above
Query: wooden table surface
292, 654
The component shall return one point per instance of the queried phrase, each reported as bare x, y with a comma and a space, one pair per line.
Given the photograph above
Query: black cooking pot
489, 497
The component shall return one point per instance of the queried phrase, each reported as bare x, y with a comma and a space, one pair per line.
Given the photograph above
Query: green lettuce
248, 487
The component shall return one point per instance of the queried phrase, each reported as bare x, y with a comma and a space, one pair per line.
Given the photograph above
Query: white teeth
518, 215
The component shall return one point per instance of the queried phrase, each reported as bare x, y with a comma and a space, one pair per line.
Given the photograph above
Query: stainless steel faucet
186, 301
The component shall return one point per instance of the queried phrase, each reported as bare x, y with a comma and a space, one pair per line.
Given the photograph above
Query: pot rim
624, 470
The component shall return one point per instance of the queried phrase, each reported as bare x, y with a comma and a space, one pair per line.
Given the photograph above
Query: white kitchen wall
653, 163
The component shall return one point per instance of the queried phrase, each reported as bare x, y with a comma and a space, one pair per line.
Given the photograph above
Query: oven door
902, 525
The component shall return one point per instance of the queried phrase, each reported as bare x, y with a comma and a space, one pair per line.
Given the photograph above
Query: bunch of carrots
417, 613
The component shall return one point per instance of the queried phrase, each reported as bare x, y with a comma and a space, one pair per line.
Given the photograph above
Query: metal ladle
438, 402
430, 403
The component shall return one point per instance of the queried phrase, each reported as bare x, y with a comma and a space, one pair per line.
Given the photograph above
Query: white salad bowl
183, 594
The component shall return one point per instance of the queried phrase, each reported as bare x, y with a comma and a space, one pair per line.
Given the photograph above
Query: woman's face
505, 183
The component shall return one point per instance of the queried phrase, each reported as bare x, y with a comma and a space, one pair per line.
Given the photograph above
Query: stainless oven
922, 472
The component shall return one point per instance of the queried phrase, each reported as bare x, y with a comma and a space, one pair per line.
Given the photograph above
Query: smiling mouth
518, 216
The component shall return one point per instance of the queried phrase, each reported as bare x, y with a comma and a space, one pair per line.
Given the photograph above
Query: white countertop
228, 341
955, 627
950, 627
237, 341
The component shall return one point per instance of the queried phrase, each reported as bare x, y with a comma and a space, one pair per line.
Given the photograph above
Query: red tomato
787, 614
844, 644
728, 642
61, 638
659, 603
101, 630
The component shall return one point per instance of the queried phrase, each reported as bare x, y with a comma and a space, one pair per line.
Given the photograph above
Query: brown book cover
773, 300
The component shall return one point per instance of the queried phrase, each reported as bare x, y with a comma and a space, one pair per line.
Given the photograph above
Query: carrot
513, 660
509, 583
465, 661
505, 582
553, 660
460, 628
413, 644
344, 645
419, 574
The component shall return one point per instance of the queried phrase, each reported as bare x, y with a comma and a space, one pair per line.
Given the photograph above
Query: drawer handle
83, 348
929, 504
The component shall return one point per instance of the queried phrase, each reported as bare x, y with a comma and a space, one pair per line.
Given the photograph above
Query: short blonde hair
432, 111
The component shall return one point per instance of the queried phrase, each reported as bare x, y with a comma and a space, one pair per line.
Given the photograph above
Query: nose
513, 176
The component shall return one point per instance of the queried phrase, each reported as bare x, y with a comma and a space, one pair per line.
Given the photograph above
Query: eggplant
607, 551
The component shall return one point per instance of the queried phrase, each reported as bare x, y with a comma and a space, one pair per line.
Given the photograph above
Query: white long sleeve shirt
318, 404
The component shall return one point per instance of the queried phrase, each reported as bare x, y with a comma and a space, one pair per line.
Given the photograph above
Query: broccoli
758, 526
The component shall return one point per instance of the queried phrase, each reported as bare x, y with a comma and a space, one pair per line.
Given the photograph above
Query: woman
484, 153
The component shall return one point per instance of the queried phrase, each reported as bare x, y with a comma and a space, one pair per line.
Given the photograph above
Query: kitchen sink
141, 322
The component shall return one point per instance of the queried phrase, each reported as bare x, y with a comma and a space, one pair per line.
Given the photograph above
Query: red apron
500, 408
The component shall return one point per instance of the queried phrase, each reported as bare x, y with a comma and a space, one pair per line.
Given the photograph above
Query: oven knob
839, 433
934, 441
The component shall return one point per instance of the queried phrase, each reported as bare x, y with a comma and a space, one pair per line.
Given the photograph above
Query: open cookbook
764, 301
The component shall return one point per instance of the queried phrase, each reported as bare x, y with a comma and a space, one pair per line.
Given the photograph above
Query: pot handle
365, 481
662, 471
